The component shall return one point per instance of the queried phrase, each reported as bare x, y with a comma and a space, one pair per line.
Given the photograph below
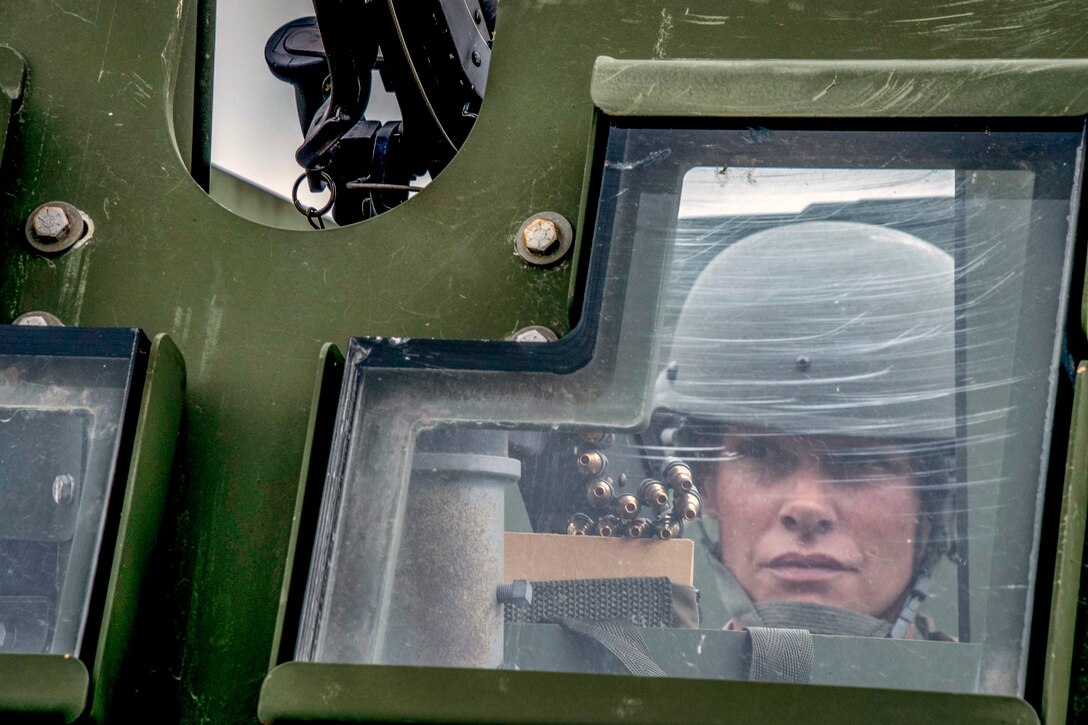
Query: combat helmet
825, 328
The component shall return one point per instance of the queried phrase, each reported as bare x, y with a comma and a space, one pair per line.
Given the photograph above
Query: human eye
865, 466
759, 457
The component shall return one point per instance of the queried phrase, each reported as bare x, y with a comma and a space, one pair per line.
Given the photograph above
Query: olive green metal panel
315, 459
1067, 567
141, 517
840, 88
42, 688
296, 692
249, 305
12, 76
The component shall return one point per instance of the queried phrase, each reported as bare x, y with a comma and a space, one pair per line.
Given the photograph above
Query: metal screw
476, 58
518, 592
541, 236
55, 226
544, 238
476, 16
64, 489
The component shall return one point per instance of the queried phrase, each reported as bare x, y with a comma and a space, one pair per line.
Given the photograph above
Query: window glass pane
60, 423
838, 373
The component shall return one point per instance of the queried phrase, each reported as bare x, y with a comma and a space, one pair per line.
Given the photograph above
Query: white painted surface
255, 128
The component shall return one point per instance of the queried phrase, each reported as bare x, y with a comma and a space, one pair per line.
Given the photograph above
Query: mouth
806, 568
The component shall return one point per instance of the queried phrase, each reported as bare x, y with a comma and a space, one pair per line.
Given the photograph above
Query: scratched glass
853, 350
60, 423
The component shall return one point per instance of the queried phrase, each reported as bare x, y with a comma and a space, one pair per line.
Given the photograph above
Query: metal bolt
476, 58
55, 226
476, 16
37, 318
518, 592
64, 489
541, 236
50, 223
534, 333
544, 238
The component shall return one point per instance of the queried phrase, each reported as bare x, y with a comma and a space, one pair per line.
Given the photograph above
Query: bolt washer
564, 232
49, 235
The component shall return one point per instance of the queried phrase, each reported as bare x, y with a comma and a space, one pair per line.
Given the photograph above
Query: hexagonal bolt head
518, 592
541, 236
64, 489
51, 224
530, 336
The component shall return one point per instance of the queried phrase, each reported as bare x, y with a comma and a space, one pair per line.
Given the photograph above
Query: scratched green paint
250, 306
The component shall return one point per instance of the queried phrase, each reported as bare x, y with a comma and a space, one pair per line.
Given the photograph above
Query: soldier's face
817, 519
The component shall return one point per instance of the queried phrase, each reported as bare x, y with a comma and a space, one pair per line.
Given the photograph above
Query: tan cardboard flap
551, 557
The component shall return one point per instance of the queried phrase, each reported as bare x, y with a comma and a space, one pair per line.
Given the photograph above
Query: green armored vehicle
542, 361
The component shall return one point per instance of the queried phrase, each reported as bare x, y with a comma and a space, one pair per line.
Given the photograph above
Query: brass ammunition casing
599, 492
668, 528
688, 505
638, 528
653, 493
607, 526
627, 506
591, 463
599, 438
579, 525
677, 474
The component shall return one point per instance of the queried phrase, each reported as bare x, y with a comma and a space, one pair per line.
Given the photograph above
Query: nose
807, 507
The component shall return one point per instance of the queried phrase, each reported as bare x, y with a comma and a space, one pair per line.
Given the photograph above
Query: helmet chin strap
919, 590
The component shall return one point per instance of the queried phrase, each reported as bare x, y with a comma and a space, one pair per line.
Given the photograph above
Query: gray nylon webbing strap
819, 619
780, 655
619, 637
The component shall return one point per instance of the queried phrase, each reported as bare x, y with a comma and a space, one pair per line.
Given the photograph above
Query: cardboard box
551, 557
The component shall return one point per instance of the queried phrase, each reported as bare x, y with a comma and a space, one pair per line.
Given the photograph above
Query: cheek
887, 523
742, 511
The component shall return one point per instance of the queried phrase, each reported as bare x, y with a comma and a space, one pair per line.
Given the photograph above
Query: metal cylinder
688, 505
599, 438
608, 526
591, 462
668, 527
677, 474
599, 492
638, 528
579, 525
627, 506
653, 493
443, 611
